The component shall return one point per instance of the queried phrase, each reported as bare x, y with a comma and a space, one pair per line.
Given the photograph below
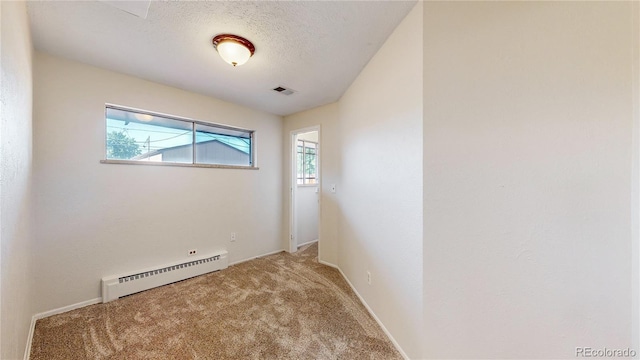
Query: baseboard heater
117, 286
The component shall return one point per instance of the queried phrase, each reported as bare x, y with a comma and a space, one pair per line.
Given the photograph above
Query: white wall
98, 219
15, 179
527, 178
327, 118
380, 187
309, 136
307, 198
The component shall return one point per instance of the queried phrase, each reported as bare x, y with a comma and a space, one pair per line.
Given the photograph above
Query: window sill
154, 163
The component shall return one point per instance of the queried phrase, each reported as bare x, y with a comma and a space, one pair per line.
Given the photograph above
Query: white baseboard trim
32, 328
64, 309
330, 265
255, 257
42, 315
307, 243
393, 341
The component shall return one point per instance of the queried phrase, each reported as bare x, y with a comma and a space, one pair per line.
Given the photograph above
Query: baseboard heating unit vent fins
117, 286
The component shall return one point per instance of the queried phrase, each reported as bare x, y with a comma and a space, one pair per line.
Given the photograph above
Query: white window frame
252, 152
304, 154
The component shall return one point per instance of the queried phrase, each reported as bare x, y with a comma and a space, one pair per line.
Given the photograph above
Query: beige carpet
279, 307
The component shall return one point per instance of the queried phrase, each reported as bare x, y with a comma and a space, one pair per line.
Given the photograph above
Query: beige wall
15, 184
380, 187
371, 148
98, 219
635, 180
528, 128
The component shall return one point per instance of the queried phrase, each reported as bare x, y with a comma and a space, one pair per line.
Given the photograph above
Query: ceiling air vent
284, 91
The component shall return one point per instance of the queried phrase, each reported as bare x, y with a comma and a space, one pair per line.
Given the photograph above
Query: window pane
135, 135
310, 163
141, 137
221, 146
300, 167
306, 162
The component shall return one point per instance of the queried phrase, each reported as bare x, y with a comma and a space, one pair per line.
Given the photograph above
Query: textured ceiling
316, 48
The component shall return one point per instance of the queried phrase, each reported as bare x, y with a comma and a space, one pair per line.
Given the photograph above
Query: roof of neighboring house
160, 151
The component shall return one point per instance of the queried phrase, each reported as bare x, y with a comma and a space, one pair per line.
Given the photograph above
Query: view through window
136, 136
307, 160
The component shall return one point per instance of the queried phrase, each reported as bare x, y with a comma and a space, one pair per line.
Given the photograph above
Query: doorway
305, 187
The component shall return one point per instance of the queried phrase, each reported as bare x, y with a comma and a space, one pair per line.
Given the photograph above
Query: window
134, 136
307, 161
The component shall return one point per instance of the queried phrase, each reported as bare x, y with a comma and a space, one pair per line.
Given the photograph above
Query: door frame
293, 188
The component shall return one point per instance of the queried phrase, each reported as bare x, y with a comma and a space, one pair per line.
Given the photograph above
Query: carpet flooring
283, 306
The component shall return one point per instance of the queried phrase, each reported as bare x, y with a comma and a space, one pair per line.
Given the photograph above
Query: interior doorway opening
305, 188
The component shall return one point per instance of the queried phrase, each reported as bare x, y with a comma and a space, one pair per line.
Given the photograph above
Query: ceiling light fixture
233, 49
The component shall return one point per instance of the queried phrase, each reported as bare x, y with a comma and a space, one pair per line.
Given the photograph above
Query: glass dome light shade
233, 49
